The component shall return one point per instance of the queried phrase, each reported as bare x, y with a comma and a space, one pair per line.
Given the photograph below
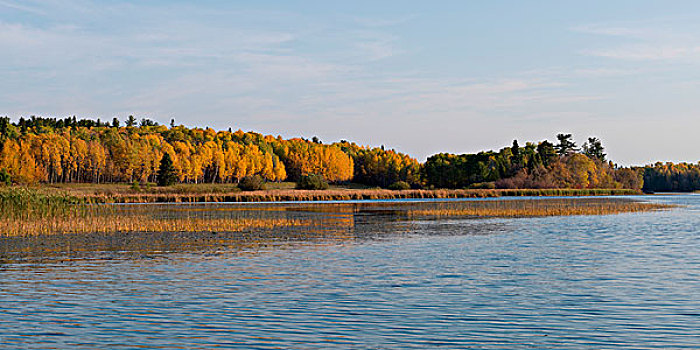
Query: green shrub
400, 185
312, 182
252, 183
135, 186
483, 186
5, 177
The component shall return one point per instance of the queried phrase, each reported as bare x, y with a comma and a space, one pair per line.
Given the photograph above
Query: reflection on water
363, 276
329, 222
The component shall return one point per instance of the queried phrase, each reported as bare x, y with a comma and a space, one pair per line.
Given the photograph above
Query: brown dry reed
540, 207
26, 212
111, 224
110, 193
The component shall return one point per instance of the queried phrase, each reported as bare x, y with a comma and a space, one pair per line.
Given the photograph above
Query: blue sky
421, 77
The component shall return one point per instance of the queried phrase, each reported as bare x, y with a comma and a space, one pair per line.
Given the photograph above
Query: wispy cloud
649, 52
631, 30
251, 76
374, 22
372, 46
652, 40
21, 7
372, 76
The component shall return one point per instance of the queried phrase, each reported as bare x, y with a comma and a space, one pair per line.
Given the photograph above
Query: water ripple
628, 281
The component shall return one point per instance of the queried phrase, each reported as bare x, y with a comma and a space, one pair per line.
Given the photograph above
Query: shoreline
292, 195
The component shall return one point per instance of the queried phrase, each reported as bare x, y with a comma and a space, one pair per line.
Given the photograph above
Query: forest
536, 165
52, 150
669, 177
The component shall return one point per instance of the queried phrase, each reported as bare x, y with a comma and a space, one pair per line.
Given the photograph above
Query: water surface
365, 277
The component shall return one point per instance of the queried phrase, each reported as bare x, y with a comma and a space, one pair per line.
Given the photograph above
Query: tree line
536, 165
669, 177
53, 150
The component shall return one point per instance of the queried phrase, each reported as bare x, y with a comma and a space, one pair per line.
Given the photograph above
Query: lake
364, 277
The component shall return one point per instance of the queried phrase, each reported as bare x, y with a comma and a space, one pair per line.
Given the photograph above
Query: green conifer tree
131, 121
166, 171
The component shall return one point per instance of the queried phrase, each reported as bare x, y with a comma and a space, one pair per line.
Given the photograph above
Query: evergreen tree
566, 145
4, 125
546, 152
131, 121
166, 171
594, 149
517, 161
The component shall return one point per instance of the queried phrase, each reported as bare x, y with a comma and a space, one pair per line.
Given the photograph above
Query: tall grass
28, 212
228, 193
536, 208
25, 211
141, 223
20, 203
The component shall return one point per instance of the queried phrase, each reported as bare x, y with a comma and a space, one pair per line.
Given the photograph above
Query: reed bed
20, 203
115, 224
538, 208
332, 194
31, 212
26, 212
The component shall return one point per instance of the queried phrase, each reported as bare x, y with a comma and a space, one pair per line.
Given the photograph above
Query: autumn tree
380, 167
670, 177
38, 149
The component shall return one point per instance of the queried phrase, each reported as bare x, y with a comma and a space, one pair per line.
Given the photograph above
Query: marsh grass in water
539, 207
20, 203
189, 193
27, 212
135, 223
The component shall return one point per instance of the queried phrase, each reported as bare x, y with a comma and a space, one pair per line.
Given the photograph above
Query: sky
421, 77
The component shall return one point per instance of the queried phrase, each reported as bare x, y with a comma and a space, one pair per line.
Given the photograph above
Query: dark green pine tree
166, 171
566, 146
131, 121
594, 149
517, 160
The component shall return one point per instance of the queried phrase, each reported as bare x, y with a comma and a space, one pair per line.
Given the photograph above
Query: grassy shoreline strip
338, 194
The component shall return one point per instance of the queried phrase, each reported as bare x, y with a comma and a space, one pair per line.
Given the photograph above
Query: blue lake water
628, 281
